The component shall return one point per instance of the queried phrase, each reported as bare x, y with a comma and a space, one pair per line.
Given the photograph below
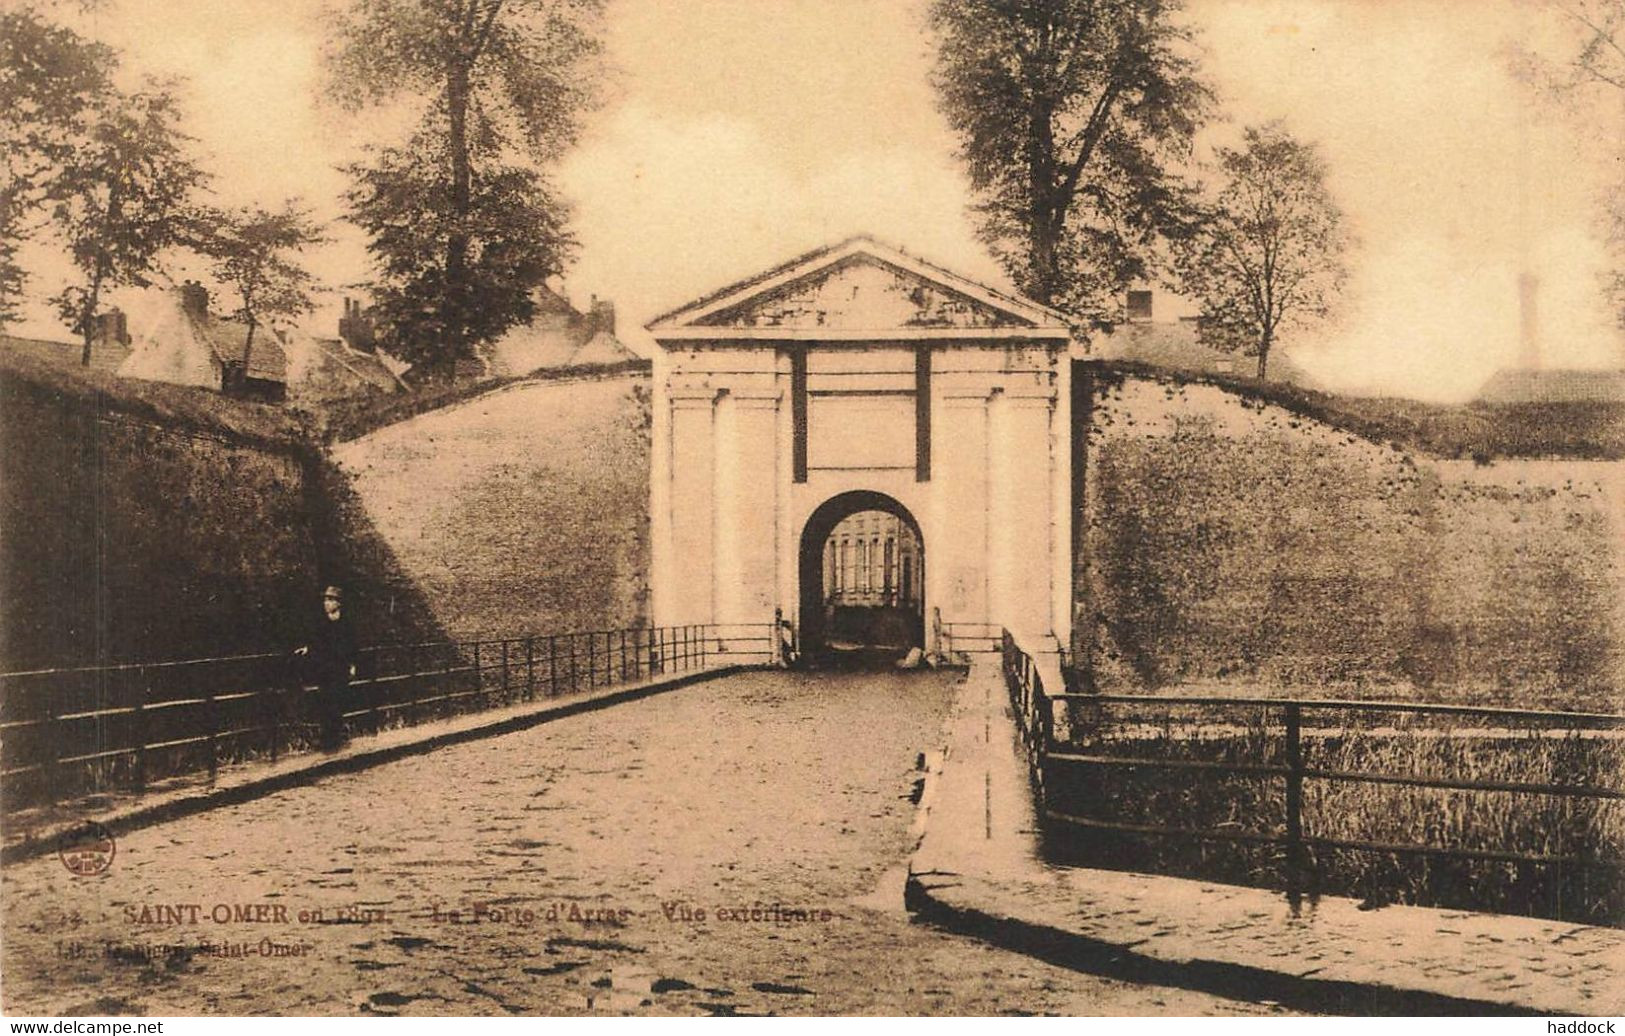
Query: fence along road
65, 732
750, 792
1049, 737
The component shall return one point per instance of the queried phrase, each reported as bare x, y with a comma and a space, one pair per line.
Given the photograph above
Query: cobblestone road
561, 870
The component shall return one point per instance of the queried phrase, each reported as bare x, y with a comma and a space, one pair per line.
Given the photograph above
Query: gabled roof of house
104, 354
179, 345
1528, 385
266, 359
1016, 310
322, 368
1175, 344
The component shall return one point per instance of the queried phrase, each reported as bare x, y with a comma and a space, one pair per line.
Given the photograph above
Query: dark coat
332, 651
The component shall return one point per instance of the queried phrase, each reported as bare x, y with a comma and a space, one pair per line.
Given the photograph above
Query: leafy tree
516, 240
1073, 116
1596, 56
1591, 67
121, 199
52, 83
255, 251
1271, 249
502, 85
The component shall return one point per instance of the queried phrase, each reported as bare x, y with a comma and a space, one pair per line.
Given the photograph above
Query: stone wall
148, 522
127, 539
1231, 543
521, 510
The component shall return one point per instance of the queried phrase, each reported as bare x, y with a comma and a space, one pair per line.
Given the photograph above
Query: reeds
1575, 843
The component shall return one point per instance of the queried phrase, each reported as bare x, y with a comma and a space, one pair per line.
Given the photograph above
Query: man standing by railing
331, 658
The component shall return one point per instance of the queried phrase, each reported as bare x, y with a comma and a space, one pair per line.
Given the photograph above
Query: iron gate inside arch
862, 567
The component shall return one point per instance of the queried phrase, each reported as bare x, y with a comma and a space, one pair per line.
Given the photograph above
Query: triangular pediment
859, 286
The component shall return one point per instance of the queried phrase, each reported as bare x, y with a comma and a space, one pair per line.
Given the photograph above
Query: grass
1480, 431
346, 419
198, 410
1366, 742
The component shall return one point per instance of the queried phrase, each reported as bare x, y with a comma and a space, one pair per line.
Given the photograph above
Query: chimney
195, 300
356, 328
602, 315
1528, 321
1139, 306
113, 327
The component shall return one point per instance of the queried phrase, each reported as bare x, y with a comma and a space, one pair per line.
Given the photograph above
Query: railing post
553, 666
1294, 805
56, 773
479, 676
274, 704
415, 691
575, 683
141, 730
211, 708
505, 688
446, 681
530, 668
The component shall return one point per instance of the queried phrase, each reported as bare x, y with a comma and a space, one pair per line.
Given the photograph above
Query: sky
734, 134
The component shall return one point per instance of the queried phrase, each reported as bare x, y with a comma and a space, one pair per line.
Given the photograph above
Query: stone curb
955, 882
309, 768
962, 905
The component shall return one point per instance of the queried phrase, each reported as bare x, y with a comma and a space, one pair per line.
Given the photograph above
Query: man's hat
333, 592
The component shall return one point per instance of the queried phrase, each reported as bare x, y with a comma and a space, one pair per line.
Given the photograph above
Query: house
184, 344
324, 369
109, 345
1166, 336
557, 336
1539, 385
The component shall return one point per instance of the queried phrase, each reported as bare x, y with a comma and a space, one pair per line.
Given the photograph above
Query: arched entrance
861, 378
862, 575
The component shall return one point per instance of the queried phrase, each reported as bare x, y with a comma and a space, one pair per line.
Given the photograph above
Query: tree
1590, 68
503, 84
1597, 56
255, 251
121, 200
1073, 117
516, 236
52, 83
1270, 252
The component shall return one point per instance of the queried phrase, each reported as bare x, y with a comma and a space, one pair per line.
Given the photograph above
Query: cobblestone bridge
735, 847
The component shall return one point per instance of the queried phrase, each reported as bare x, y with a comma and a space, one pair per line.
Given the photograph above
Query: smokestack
356, 328
1139, 306
1528, 321
113, 327
603, 315
195, 300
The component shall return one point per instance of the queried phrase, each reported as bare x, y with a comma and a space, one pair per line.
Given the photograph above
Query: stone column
1021, 484
747, 507
693, 505
956, 541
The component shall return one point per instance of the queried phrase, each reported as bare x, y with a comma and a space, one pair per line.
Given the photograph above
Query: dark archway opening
862, 581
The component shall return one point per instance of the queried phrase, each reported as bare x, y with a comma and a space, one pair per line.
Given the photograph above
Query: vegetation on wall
1478, 431
1237, 545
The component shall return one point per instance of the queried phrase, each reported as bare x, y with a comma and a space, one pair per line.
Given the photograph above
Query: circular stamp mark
86, 849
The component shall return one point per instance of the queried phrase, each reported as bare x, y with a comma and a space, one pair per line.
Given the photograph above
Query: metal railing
68, 731
970, 638
1132, 736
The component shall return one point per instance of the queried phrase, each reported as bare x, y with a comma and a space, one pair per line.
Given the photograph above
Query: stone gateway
860, 378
